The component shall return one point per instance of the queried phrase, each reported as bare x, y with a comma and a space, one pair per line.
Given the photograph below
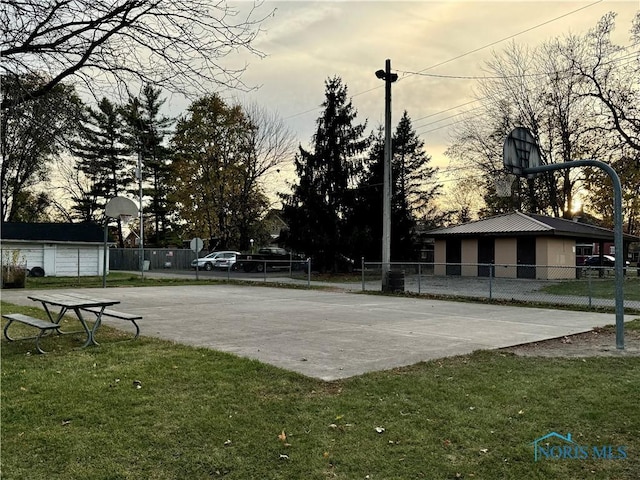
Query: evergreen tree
412, 191
147, 130
103, 159
317, 211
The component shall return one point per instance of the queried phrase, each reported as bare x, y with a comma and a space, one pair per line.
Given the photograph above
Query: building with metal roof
525, 245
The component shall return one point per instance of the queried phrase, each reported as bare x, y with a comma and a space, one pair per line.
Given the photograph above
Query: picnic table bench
132, 317
43, 325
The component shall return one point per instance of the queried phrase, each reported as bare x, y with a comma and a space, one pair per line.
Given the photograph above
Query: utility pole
141, 239
388, 78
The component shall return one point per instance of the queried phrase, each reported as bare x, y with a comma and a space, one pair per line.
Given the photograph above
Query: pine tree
412, 195
147, 130
318, 209
103, 159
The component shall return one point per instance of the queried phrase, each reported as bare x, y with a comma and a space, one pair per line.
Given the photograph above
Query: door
526, 252
454, 256
486, 256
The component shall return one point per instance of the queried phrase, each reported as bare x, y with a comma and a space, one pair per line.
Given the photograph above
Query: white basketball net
503, 183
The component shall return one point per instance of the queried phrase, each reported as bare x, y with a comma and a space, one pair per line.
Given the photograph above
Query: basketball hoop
503, 183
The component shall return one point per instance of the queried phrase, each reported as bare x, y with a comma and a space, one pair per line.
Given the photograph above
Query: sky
308, 42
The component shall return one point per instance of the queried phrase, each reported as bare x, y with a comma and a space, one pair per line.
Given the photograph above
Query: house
60, 249
524, 245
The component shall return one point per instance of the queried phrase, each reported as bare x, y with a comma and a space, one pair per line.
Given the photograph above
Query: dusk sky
308, 42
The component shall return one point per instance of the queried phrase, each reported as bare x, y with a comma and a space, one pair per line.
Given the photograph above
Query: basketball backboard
520, 151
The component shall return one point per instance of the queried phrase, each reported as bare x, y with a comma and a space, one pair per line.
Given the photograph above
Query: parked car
607, 261
222, 260
271, 258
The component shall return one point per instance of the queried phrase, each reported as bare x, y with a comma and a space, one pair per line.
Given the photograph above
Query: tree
537, 89
270, 144
318, 207
103, 159
32, 135
413, 194
174, 44
146, 133
609, 74
600, 193
213, 158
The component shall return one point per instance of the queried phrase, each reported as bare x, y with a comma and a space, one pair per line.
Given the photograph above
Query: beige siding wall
555, 252
469, 257
506, 254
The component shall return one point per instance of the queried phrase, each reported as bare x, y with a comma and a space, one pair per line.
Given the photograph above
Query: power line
462, 55
507, 38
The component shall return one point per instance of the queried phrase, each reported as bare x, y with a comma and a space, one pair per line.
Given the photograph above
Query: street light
388, 78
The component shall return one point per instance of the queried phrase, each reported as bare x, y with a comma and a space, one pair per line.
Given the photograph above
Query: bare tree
32, 135
173, 44
536, 89
610, 75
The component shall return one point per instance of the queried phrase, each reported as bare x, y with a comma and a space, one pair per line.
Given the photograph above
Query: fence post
362, 271
308, 272
589, 288
491, 281
264, 271
419, 277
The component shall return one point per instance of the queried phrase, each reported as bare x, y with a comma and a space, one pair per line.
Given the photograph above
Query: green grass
201, 414
597, 288
114, 279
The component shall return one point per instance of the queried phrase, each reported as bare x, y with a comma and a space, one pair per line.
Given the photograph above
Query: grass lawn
151, 409
597, 288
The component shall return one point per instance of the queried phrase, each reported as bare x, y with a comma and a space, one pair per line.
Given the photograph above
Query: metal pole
386, 193
617, 232
104, 255
141, 250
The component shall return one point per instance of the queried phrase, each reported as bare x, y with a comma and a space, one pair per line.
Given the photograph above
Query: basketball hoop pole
617, 231
117, 207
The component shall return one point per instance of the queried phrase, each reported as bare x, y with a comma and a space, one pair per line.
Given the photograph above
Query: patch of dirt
596, 343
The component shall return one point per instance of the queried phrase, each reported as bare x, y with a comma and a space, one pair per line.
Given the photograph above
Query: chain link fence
549, 284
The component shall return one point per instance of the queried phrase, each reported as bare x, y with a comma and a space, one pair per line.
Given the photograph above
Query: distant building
524, 245
60, 249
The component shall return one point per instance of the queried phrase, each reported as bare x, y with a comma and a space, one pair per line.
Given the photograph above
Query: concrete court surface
330, 335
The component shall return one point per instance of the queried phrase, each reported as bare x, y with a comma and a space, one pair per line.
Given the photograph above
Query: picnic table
56, 305
77, 303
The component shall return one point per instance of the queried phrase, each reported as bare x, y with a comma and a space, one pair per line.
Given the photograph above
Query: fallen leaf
484, 450
227, 443
380, 429
521, 412
333, 425
282, 437
284, 457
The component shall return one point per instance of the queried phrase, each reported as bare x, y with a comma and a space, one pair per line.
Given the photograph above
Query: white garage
59, 249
